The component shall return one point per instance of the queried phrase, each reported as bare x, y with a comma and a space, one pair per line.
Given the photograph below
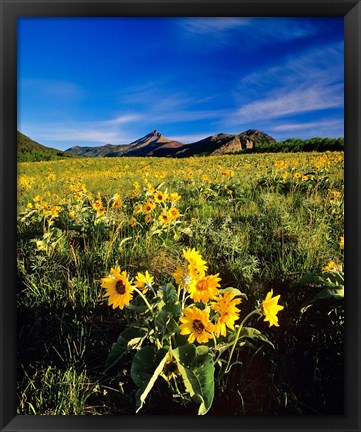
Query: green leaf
170, 299
151, 382
145, 370
252, 333
235, 291
197, 369
336, 292
142, 365
128, 339
308, 279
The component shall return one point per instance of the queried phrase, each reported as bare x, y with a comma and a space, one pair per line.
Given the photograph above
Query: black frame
10, 10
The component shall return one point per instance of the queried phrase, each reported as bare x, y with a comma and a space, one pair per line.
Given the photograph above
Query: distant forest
294, 145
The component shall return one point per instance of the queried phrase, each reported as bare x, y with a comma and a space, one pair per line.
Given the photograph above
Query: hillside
29, 150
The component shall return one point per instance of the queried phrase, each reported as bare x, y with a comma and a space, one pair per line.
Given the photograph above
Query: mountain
225, 143
29, 150
156, 144
152, 144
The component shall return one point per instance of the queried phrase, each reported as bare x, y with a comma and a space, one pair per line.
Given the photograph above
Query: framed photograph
177, 183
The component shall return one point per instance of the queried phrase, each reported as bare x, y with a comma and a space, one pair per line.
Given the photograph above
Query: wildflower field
205, 285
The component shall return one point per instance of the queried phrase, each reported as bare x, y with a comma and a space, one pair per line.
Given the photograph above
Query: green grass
257, 231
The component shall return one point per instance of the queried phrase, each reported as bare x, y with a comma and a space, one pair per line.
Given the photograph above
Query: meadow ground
260, 221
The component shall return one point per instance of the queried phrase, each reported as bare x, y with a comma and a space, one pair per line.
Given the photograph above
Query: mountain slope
29, 150
152, 144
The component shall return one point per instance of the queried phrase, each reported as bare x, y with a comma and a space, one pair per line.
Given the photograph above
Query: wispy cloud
233, 30
212, 25
306, 126
84, 132
324, 65
283, 103
310, 82
325, 127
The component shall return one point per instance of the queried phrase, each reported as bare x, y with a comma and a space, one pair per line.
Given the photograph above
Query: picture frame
10, 11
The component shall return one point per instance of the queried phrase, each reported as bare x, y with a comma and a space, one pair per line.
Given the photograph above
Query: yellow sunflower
271, 308
342, 242
194, 259
144, 281
228, 313
133, 221
138, 209
173, 213
174, 196
205, 288
196, 324
164, 218
331, 266
148, 207
117, 202
119, 289
160, 196
184, 277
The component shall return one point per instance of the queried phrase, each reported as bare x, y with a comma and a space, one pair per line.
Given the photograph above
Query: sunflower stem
228, 367
145, 300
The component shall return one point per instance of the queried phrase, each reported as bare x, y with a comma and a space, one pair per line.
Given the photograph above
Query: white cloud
246, 33
307, 126
85, 132
324, 65
286, 102
310, 82
212, 25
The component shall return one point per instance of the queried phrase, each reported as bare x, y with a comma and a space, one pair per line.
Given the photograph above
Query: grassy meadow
261, 221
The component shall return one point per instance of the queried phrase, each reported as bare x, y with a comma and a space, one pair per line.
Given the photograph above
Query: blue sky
93, 81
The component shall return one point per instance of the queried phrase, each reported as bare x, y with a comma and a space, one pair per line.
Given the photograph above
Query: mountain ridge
156, 144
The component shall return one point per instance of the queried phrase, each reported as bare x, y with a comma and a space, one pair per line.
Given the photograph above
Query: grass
260, 221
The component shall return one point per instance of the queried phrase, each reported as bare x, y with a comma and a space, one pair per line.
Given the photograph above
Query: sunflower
98, 207
144, 281
342, 242
148, 207
205, 288
133, 222
160, 196
174, 196
119, 289
195, 260
173, 213
164, 218
138, 209
148, 218
117, 202
331, 266
271, 308
184, 277
228, 313
196, 324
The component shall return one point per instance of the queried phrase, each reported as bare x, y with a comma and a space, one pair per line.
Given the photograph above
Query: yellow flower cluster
157, 206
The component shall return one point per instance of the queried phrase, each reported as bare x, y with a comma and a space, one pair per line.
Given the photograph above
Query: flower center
202, 285
198, 326
120, 287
